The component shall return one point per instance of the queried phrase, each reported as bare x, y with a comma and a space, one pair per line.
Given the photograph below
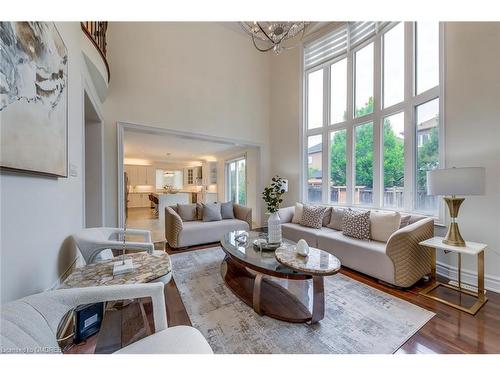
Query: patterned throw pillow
356, 224
312, 216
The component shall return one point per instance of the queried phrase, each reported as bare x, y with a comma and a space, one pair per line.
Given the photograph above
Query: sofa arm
243, 213
411, 261
173, 227
286, 214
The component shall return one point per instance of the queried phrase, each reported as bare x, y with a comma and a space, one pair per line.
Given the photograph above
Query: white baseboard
491, 283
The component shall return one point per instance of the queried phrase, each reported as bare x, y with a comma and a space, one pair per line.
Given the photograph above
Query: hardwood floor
450, 331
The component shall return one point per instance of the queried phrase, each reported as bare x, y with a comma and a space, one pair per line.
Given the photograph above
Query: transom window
372, 125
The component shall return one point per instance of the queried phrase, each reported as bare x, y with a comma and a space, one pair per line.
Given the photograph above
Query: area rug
358, 318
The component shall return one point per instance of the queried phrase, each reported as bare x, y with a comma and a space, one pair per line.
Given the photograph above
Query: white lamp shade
456, 181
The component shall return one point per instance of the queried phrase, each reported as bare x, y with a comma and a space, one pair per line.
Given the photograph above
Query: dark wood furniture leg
318, 310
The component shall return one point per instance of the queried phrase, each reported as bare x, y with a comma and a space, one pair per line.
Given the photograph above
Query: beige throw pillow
337, 218
383, 224
297, 215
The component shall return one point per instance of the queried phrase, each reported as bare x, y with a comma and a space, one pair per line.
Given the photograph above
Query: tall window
236, 173
378, 116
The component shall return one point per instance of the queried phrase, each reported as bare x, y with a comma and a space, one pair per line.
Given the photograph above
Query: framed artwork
33, 98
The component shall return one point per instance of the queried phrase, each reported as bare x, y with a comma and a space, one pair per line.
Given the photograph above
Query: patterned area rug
358, 318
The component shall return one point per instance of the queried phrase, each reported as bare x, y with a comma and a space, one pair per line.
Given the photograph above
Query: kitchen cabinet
212, 173
141, 175
192, 176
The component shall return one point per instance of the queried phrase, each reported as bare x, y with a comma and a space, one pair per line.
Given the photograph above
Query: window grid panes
338, 166
394, 160
314, 168
338, 92
363, 72
427, 158
363, 158
315, 99
427, 53
394, 68
380, 144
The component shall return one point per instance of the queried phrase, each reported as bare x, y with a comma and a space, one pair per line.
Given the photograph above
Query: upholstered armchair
92, 241
29, 325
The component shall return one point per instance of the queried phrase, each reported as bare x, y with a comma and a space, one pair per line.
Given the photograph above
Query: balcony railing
96, 32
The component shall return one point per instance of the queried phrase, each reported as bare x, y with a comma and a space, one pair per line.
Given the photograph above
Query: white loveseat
400, 261
180, 234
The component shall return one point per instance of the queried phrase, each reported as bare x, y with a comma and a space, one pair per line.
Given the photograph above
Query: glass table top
252, 255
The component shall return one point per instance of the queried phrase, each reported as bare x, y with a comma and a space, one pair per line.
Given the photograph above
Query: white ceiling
154, 147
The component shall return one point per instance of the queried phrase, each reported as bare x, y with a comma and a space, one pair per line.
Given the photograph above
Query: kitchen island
170, 199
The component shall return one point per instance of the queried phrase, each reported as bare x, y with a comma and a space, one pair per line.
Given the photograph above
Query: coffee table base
269, 298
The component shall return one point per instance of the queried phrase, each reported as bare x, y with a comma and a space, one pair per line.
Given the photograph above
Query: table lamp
449, 183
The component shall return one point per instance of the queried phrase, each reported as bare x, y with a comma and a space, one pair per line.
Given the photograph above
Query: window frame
227, 173
407, 106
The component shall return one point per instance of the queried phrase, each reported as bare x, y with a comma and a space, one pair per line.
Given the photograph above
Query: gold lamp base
453, 236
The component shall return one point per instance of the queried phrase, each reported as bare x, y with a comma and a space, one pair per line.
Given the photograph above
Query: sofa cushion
356, 224
297, 215
187, 212
326, 216
201, 232
337, 218
368, 257
312, 216
199, 211
295, 232
383, 224
405, 220
227, 211
212, 212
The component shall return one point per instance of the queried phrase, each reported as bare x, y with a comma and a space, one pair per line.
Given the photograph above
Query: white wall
285, 120
196, 77
472, 116
39, 213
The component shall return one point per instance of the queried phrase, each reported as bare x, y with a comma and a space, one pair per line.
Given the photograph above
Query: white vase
274, 228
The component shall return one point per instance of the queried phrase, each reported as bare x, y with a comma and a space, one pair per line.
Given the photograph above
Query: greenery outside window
372, 115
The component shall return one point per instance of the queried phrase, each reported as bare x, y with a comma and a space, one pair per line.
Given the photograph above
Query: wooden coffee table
249, 273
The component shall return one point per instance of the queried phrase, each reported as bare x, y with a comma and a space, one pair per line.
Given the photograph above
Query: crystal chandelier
275, 36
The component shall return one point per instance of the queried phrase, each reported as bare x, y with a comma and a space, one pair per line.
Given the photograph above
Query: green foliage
338, 159
273, 193
427, 158
394, 157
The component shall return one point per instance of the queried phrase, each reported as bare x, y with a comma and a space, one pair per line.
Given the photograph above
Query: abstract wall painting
33, 98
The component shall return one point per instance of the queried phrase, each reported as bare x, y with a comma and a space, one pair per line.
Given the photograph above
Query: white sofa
29, 325
400, 261
180, 234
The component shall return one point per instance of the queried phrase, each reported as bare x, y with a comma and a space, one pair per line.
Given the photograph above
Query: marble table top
318, 262
146, 269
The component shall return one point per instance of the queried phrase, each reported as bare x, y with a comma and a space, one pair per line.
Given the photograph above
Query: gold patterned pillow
356, 224
312, 216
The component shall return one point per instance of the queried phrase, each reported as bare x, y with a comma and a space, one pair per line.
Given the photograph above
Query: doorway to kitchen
161, 167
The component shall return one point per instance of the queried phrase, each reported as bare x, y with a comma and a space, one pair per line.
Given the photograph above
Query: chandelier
276, 36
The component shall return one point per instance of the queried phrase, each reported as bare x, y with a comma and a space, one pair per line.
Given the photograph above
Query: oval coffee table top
318, 262
146, 269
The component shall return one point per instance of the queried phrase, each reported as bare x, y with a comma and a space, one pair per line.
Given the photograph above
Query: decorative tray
265, 245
